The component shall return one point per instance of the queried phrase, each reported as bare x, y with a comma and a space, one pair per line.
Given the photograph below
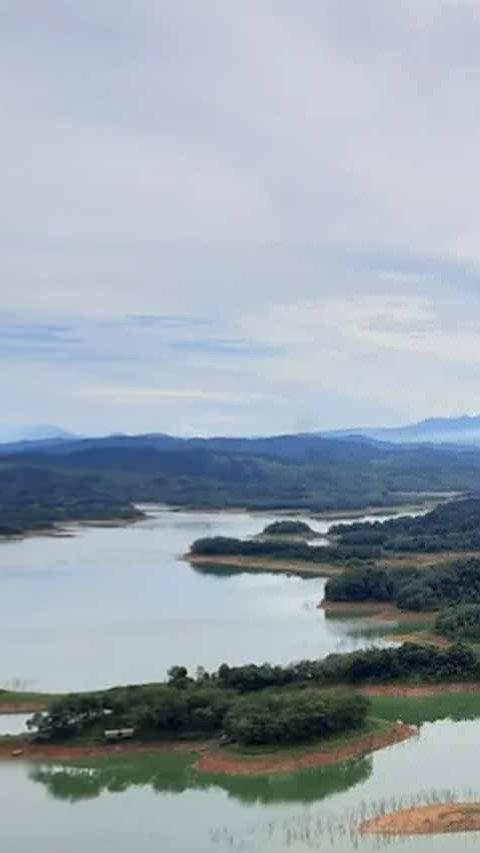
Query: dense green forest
193, 710
213, 546
54, 480
453, 526
35, 498
432, 588
253, 704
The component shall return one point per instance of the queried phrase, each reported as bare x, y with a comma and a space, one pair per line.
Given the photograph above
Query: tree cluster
410, 588
451, 526
460, 623
288, 527
190, 709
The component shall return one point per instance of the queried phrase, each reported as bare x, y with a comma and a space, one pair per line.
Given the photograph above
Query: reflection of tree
84, 780
304, 786
175, 774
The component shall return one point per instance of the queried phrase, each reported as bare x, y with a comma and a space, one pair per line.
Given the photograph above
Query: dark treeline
226, 546
253, 704
452, 526
432, 588
409, 661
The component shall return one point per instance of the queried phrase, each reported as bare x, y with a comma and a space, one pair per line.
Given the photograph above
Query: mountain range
459, 430
464, 430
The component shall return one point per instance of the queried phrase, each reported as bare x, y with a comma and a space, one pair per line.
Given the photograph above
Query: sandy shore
262, 564
427, 820
218, 761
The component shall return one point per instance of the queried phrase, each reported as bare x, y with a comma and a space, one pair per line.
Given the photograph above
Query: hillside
77, 478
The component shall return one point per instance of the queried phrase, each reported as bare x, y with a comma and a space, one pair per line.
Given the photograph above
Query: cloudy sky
239, 217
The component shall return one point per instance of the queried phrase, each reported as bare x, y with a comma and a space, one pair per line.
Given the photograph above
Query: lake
107, 606
116, 605
147, 803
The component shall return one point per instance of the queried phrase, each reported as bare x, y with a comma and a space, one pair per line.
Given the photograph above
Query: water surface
107, 606
146, 803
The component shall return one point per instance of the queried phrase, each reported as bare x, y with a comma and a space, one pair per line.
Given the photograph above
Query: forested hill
91, 477
453, 526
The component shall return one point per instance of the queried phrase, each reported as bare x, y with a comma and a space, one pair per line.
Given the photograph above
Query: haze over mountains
458, 430
461, 430
31, 432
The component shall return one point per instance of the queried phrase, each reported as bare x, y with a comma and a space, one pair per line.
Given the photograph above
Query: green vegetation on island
252, 704
192, 710
432, 588
453, 526
368, 548
288, 527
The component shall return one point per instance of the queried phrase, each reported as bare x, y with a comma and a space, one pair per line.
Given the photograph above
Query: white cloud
304, 176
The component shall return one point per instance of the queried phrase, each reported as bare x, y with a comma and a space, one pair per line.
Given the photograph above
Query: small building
119, 734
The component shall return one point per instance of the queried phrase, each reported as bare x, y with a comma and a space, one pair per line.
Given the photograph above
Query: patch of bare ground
211, 757
218, 761
28, 749
427, 820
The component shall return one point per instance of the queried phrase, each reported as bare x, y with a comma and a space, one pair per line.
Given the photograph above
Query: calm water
115, 605
146, 804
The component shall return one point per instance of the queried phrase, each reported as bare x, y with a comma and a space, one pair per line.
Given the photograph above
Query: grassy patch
421, 709
14, 698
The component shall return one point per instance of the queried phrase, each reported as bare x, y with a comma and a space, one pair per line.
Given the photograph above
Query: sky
241, 217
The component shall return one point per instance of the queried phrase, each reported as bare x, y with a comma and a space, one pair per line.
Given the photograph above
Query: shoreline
268, 564
210, 757
59, 529
63, 529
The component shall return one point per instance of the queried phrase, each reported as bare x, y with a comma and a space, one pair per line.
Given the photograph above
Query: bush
461, 622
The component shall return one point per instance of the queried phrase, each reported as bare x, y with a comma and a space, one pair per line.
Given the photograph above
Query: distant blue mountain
33, 432
461, 430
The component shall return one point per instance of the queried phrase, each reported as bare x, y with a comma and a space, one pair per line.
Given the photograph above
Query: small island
249, 718
439, 818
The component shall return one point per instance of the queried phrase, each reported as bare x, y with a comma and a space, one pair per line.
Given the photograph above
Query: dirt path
217, 761
426, 820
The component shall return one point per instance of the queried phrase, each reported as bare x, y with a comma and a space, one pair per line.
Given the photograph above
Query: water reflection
176, 774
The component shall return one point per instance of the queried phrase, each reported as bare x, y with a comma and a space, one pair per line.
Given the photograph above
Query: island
433, 819
250, 718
